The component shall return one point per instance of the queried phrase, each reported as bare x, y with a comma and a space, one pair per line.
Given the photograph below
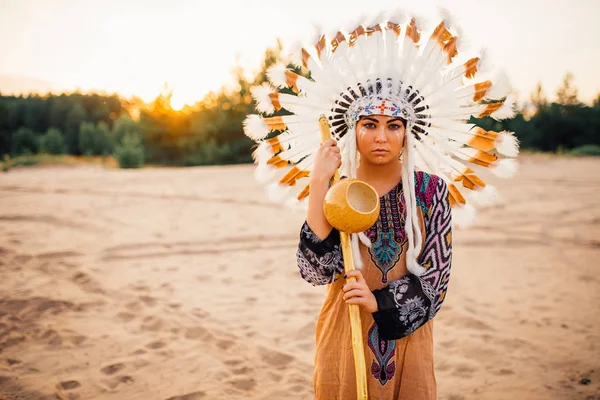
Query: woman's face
379, 138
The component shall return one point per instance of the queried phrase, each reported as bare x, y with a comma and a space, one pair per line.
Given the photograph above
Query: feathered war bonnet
386, 68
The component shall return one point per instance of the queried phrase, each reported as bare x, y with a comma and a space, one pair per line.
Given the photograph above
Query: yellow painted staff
351, 206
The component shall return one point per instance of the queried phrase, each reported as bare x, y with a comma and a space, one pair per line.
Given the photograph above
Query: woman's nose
380, 134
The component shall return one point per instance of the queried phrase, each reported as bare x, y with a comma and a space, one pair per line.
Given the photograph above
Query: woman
396, 306
398, 104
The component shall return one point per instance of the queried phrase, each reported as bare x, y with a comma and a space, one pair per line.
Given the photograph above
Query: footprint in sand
189, 396
276, 358
125, 316
152, 324
225, 344
134, 306
463, 371
118, 380
148, 300
200, 313
233, 362
243, 384
112, 369
198, 332
242, 370
12, 361
68, 385
159, 344
140, 287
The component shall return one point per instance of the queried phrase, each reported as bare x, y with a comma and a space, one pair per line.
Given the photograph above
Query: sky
134, 47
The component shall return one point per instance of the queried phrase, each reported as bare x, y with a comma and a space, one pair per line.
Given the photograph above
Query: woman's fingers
352, 285
356, 274
354, 293
329, 143
357, 300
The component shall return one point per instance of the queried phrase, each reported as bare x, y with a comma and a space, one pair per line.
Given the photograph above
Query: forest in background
210, 132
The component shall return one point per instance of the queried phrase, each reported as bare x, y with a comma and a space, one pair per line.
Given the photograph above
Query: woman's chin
381, 159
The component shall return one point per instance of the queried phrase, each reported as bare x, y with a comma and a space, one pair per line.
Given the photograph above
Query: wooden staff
355, 324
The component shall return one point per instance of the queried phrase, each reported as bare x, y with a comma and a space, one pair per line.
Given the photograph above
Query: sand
167, 283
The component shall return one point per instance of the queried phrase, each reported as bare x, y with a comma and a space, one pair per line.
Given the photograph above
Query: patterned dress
399, 336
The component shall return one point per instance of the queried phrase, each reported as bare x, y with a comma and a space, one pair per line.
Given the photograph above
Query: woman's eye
369, 125
394, 126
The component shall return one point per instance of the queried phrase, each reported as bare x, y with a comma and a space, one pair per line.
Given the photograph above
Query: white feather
507, 144
264, 173
261, 96
500, 87
463, 216
278, 193
486, 196
299, 105
276, 74
506, 168
255, 128
485, 64
507, 111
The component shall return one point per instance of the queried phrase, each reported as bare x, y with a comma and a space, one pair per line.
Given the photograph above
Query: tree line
210, 132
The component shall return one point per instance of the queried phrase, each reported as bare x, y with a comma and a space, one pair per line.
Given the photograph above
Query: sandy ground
181, 284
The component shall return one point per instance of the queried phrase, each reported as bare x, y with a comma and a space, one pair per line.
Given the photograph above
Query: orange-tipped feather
490, 108
275, 100
276, 146
471, 67
290, 79
358, 32
454, 195
441, 34
335, 42
470, 180
480, 89
305, 58
482, 158
304, 193
412, 32
292, 176
483, 140
450, 49
275, 123
392, 26
320, 46
277, 161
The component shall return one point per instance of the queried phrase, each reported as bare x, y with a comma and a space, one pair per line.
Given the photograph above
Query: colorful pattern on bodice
387, 234
384, 351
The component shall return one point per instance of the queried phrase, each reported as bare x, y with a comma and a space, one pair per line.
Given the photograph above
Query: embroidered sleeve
408, 303
319, 261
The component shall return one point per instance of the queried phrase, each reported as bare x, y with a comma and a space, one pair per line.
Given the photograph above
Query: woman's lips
380, 152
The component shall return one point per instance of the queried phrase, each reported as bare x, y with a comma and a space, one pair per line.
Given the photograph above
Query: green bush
94, 140
53, 142
6, 163
130, 153
24, 142
86, 138
586, 150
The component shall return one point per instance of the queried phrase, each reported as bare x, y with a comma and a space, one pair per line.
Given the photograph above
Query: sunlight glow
177, 101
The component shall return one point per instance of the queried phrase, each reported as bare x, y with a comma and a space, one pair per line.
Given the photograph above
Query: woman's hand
359, 293
327, 160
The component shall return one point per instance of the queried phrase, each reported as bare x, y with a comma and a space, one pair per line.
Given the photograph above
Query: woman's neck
382, 177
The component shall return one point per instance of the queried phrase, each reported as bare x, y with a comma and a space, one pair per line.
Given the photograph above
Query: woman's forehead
379, 118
